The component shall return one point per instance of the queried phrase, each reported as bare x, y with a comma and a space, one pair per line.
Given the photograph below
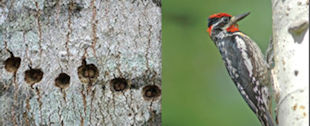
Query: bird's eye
225, 19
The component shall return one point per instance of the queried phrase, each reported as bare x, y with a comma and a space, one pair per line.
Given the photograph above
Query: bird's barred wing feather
259, 80
242, 65
238, 68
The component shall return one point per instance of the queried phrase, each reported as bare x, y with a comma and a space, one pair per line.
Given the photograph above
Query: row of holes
87, 73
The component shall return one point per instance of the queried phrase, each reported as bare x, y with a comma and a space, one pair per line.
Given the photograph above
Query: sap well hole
119, 84
62, 81
88, 73
151, 92
33, 76
12, 64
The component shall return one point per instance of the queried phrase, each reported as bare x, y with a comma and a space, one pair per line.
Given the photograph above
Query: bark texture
80, 62
291, 57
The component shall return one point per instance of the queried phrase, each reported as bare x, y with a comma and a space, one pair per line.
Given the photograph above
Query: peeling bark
96, 58
291, 57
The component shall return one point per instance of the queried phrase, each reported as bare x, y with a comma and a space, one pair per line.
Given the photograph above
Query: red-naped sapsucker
244, 62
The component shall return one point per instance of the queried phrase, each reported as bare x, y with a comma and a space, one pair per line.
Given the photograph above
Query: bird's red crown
219, 15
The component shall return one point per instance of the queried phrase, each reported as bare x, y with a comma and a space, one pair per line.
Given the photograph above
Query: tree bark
291, 58
80, 62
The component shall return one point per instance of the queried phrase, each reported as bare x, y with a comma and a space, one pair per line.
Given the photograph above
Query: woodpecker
244, 62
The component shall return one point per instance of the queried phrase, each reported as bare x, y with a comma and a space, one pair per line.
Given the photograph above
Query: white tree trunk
291, 58
109, 54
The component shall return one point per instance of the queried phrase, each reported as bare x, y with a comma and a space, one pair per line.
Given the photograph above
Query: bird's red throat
232, 28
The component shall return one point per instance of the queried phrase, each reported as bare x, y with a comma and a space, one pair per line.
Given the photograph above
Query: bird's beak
235, 19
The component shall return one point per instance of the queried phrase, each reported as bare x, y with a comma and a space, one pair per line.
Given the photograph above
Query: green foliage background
197, 90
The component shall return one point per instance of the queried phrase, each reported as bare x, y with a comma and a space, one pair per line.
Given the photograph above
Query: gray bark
291, 57
109, 54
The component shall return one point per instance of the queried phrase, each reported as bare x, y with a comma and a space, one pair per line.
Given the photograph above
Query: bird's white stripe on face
241, 45
215, 27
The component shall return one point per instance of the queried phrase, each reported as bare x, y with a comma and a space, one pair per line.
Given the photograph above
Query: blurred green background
197, 90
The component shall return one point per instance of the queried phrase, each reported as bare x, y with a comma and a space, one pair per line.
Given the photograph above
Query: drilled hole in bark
75, 7
151, 92
33, 76
157, 2
119, 84
296, 72
12, 64
62, 81
88, 73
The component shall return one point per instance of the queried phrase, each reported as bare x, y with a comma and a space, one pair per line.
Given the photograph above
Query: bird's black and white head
222, 22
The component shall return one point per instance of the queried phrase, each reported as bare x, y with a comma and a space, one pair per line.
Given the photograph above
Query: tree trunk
291, 57
80, 62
